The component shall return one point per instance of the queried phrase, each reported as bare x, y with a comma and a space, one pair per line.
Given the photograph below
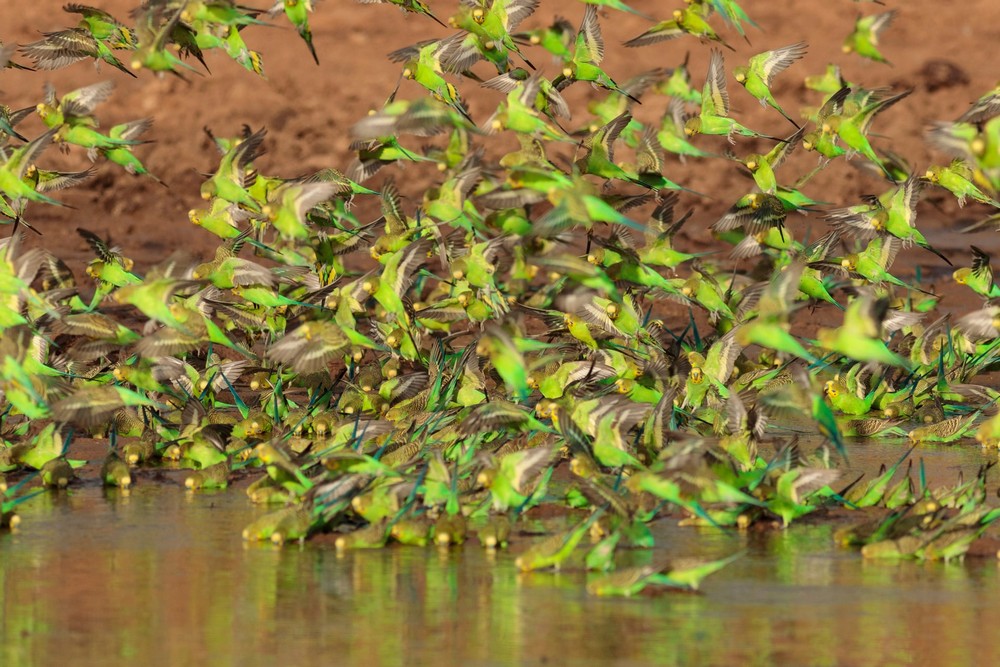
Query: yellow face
696, 376
879, 220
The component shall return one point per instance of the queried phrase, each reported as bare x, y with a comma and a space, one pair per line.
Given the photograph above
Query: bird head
690, 286
395, 338
582, 467
320, 426
486, 476
879, 220
545, 408
831, 389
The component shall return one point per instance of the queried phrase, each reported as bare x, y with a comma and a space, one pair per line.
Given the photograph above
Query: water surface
161, 577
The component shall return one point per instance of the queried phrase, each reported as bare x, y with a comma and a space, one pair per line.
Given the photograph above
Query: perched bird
552, 551
682, 573
264, 527
115, 472
495, 533
947, 430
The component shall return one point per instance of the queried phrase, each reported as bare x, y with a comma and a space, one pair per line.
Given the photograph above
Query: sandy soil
309, 109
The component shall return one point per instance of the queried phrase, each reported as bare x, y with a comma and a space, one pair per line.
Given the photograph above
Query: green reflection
161, 577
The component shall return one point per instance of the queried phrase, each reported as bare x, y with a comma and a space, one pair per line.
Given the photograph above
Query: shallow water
161, 577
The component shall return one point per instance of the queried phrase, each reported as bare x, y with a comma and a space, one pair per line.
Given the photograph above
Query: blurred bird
864, 40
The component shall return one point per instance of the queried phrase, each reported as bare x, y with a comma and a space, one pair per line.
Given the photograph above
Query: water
161, 577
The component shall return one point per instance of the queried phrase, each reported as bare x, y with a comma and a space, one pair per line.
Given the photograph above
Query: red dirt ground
309, 109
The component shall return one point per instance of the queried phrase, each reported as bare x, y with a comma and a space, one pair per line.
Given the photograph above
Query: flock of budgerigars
521, 337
